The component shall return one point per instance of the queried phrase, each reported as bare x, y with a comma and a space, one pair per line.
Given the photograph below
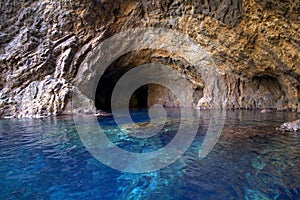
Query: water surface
45, 159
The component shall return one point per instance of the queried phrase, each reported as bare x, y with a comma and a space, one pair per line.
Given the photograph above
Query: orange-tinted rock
255, 45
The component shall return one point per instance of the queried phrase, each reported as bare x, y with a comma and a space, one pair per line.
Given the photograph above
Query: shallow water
45, 159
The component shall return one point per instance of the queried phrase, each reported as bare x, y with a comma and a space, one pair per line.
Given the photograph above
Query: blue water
45, 159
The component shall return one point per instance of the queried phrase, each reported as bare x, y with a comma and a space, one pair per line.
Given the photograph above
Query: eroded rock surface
290, 126
255, 45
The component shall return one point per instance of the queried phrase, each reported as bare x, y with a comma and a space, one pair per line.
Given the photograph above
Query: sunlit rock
254, 44
290, 126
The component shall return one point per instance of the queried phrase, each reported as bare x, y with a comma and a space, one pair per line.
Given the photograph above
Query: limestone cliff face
254, 43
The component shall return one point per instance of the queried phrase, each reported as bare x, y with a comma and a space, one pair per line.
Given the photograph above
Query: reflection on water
45, 159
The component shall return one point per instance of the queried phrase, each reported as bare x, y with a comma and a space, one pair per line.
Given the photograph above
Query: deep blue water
45, 159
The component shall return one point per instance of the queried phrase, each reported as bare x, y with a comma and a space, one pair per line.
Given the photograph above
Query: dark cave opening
111, 76
146, 95
142, 98
267, 91
138, 99
106, 86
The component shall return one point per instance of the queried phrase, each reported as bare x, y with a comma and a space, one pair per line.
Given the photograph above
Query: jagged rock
254, 44
41, 99
290, 126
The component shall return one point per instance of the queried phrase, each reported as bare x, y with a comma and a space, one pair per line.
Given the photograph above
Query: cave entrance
146, 95
139, 98
267, 91
143, 98
106, 85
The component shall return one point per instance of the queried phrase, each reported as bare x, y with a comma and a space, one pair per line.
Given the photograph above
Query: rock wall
255, 44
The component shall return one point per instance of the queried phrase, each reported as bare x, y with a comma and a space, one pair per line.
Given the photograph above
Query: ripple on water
45, 159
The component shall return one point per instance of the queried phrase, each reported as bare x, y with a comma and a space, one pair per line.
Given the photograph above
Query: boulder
290, 126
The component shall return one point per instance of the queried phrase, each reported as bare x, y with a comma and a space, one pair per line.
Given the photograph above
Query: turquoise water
45, 159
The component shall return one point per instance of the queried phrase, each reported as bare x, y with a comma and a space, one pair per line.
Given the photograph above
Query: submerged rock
101, 113
290, 126
266, 111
